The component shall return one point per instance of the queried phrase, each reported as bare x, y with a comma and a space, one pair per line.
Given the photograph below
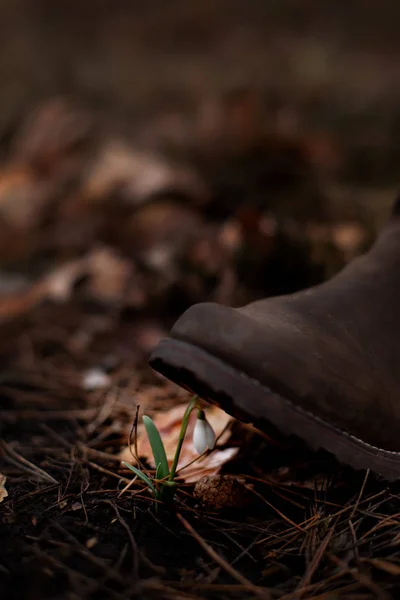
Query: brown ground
208, 152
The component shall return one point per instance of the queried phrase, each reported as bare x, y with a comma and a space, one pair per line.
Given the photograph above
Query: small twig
93, 584
355, 544
317, 559
133, 435
104, 412
106, 471
135, 551
19, 461
128, 486
353, 512
362, 578
135, 430
275, 509
109, 571
56, 436
99, 454
389, 521
47, 415
260, 592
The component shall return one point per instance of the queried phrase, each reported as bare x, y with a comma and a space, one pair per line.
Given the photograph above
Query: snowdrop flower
203, 435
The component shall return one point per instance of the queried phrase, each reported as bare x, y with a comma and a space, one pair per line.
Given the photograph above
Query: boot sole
248, 400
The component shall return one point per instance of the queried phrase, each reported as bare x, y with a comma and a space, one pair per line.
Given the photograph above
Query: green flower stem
182, 433
167, 492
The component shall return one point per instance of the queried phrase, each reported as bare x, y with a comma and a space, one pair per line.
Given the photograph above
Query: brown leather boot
322, 364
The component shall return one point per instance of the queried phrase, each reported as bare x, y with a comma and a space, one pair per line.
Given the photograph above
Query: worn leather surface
333, 350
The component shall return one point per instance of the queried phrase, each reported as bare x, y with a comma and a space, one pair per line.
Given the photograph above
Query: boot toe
276, 352
310, 365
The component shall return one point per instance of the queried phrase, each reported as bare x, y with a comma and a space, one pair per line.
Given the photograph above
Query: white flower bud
203, 434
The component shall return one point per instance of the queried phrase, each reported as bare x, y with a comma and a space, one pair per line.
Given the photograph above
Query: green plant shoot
163, 486
157, 447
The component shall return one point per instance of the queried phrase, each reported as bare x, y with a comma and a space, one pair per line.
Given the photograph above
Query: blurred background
155, 155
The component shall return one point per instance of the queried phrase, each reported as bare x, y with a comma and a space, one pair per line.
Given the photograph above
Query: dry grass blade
389, 566
12, 416
134, 548
362, 578
284, 517
24, 464
360, 494
315, 562
110, 402
257, 591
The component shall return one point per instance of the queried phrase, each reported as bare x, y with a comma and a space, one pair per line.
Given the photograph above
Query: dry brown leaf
107, 272
137, 174
108, 276
21, 198
52, 130
208, 465
3, 491
169, 424
56, 286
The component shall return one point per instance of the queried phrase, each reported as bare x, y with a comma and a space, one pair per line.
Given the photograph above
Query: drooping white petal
203, 436
199, 436
210, 435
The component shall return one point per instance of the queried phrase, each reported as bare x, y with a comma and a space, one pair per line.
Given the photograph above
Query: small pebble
95, 379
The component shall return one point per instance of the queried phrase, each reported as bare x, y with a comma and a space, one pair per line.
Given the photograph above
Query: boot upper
332, 350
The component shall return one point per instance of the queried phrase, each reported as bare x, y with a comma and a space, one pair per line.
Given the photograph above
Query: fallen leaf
208, 465
137, 174
51, 132
109, 275
21, 198
3, 491
169, 424
56, 285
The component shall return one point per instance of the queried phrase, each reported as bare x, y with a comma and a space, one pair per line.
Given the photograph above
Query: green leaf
157, 447
142, 476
